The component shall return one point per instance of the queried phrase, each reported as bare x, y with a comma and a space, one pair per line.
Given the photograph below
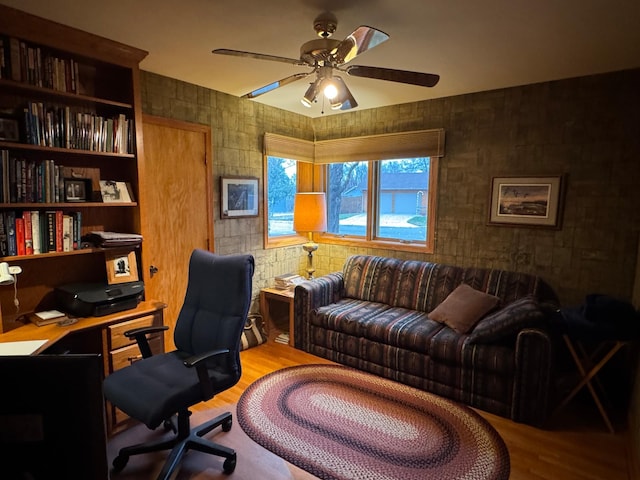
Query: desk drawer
116, 332
125, 356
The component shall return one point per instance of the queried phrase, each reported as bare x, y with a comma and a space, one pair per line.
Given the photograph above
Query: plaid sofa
373, 316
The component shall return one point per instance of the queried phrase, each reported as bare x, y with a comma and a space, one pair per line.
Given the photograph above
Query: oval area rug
339, 423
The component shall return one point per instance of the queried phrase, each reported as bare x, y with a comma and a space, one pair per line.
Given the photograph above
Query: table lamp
309, 216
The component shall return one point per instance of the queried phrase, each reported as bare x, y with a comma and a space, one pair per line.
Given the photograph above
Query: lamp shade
310, 212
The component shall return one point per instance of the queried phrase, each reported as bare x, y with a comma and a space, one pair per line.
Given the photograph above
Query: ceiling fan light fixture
330, 89
310, 95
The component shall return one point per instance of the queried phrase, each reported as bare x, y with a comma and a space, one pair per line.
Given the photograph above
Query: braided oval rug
339, 423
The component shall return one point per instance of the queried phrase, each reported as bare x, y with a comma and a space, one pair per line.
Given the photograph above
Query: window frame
304, 183
373, 204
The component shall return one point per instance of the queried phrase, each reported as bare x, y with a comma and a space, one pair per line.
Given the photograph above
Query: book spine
20, 248
10, 224
35, 232
67, 233
3, 235
28, 232
59, 231
50, 231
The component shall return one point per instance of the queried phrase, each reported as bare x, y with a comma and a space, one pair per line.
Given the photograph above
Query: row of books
30, 181
65, 127
26, 63
32, 232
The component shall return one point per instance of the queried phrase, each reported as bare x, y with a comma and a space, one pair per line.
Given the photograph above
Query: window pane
282, 189
347, 198
403, 191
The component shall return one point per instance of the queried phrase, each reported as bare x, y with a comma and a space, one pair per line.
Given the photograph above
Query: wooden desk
103, 335
268, 295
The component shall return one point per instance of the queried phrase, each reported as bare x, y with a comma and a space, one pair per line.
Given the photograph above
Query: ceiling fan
326, 56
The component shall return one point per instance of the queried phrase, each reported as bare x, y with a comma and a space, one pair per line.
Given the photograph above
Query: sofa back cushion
423, 286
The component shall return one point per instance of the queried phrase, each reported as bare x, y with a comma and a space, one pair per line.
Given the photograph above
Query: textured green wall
586, 128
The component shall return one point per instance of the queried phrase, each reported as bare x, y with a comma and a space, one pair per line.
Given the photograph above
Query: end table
268, 295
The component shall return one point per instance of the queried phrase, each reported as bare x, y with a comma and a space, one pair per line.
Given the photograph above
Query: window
281, 181
398, 212
381, 189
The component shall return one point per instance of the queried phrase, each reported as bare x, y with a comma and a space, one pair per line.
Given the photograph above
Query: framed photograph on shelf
238, 197
121, 266
77, 189
115, 192
527, 201
9, 130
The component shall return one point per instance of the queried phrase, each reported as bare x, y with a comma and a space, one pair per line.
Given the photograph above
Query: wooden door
176, 208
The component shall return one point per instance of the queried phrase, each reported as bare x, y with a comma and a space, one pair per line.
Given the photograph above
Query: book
288, 281
283, 338
47, 317
35, 232
20, 246
28, 232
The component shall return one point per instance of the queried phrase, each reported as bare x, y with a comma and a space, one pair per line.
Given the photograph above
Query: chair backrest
216, 303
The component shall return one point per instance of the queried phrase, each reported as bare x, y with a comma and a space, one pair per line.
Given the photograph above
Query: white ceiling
473, 45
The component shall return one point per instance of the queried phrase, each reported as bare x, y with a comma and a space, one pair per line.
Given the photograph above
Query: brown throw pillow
462, 309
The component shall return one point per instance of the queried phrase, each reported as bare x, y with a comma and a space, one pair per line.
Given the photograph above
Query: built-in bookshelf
70, 116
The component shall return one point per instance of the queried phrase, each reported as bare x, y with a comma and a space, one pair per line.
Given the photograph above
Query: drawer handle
134, 359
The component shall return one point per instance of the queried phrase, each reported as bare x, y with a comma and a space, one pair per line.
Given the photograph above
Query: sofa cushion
463, 307
508, 321
348, 315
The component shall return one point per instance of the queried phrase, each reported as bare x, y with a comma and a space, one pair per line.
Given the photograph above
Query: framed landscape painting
526, 201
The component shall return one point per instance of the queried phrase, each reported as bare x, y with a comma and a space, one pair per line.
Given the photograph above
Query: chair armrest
311, 295
140, 335
198, 361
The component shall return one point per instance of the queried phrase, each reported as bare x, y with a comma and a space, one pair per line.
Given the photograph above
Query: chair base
185, 439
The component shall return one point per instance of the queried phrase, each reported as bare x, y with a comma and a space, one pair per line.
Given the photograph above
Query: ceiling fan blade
359, 41
400, 76
274, 85
258, 56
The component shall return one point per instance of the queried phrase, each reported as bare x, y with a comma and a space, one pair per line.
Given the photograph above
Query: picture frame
77, 190
9, 130
238, 197
122, 266
532, 201
113, 191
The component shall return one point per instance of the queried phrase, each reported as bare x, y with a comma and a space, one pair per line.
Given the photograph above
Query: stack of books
288, 281
49, 316
283, 338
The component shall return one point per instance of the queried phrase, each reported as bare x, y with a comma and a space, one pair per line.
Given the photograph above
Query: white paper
26, 347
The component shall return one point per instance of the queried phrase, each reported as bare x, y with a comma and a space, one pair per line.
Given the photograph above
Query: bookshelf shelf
65, 151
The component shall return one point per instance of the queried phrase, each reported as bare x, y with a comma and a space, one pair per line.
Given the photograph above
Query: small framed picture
77, 189
121, 266
9, 130
238, 197
115, 192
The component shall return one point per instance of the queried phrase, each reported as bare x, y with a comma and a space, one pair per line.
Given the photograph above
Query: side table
269, 295
588, 366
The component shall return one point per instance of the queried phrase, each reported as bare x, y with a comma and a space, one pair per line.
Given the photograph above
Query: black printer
98, 299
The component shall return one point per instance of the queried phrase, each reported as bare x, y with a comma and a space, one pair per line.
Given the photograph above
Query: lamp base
310, 247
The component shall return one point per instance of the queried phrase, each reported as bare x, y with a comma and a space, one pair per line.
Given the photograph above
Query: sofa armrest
309, 296
533, 381
505, 323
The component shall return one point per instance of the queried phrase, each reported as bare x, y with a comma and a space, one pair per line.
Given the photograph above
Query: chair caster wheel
226, 426
229, 464
119, 463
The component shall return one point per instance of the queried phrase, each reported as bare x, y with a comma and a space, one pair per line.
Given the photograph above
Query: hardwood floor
576, 446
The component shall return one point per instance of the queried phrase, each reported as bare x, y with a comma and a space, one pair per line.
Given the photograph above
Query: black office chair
158, 389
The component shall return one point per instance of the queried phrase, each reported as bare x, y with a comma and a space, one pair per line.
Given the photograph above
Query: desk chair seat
159, 388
